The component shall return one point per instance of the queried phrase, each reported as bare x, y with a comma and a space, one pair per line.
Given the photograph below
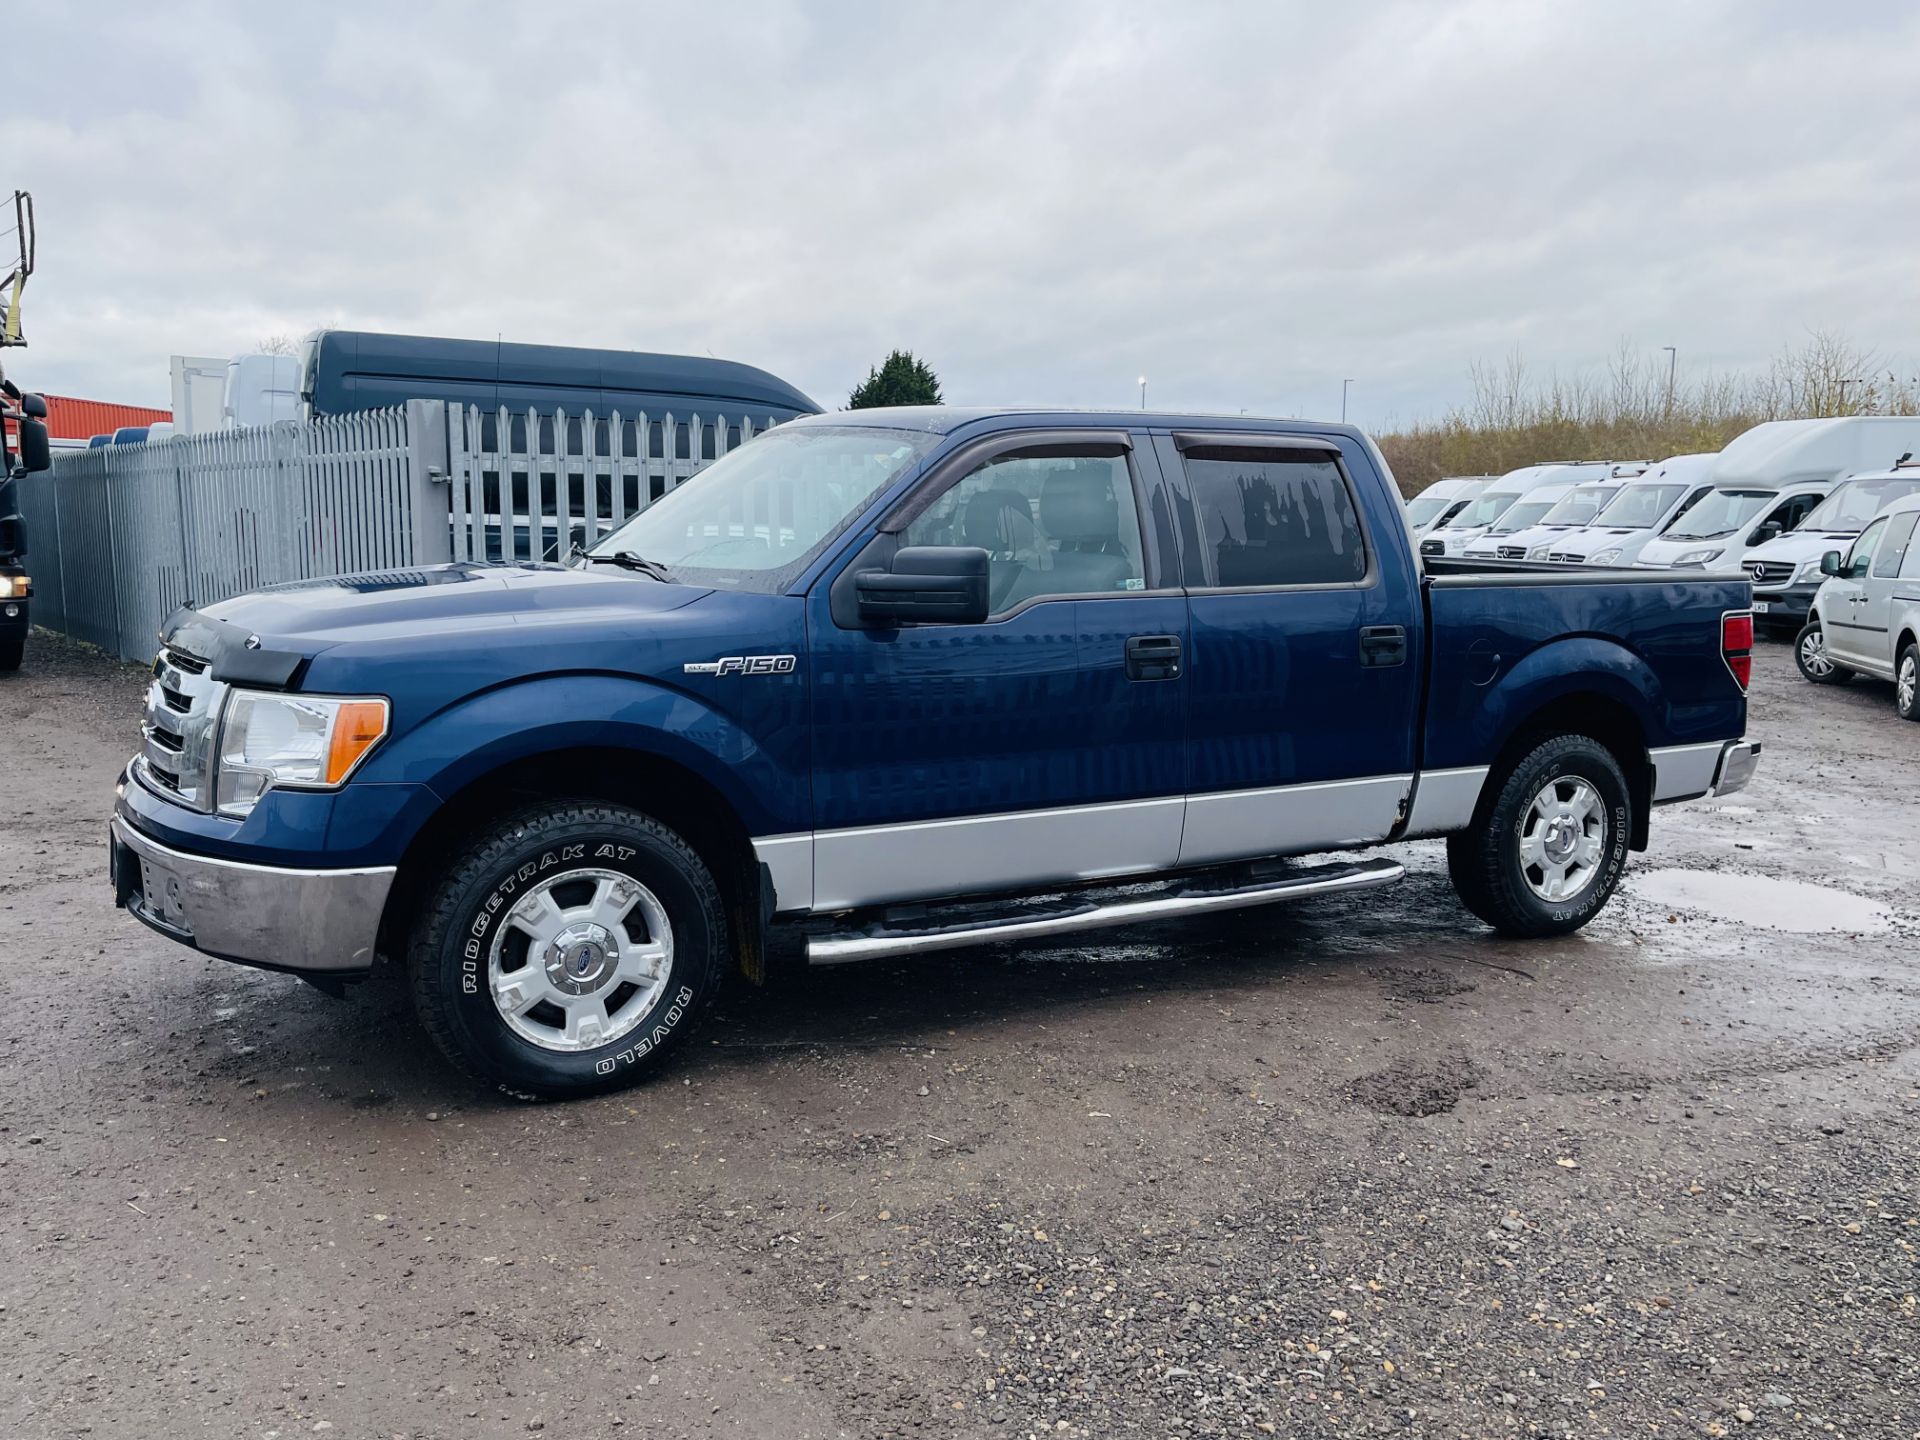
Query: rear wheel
568, 950
1810, 654
1545, 852
1906, 682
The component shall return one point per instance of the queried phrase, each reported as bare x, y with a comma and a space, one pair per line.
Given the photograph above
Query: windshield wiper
631, 560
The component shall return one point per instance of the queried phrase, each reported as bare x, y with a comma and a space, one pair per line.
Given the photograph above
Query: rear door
1844, 595
1303, 678
1046, 744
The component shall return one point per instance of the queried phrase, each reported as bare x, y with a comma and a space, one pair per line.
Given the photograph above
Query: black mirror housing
926, 585
1832, 563
34, 406
35, 453
1769, 531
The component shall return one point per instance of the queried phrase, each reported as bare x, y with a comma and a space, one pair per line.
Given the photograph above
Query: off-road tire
1836, 674
12, 649
1484, 859
1906, 682
452, 935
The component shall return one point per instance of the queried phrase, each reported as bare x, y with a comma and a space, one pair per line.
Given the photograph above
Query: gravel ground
1351, 1168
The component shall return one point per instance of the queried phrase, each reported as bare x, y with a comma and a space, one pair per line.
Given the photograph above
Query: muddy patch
1762, 903
1420, 987
1417, 1091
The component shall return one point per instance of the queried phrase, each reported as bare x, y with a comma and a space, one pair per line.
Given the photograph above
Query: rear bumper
306, 921
1737, 764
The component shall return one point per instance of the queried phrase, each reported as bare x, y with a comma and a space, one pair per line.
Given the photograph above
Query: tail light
1736, 645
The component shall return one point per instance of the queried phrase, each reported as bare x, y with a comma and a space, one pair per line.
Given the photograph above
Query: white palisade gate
531, 487
121, 536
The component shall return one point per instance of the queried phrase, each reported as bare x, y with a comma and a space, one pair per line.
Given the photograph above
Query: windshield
1519, 517
754, 518
1721, 513
1849, 508
1424, 509
1484, 511
1579, 506
1639, 507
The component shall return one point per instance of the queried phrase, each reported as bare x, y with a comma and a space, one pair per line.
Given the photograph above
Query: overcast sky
1247, 203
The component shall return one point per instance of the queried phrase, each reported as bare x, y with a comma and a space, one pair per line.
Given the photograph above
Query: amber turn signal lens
356, 728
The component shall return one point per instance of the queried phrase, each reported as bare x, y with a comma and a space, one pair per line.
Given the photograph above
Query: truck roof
946, 419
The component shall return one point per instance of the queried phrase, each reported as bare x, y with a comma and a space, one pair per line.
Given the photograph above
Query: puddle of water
1758, 901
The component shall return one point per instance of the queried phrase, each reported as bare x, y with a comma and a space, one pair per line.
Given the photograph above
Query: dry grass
1628, 413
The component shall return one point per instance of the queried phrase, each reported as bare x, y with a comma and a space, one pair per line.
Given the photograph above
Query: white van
1541, 517
1442, 500
1717, 533
1642, 510
1536, 483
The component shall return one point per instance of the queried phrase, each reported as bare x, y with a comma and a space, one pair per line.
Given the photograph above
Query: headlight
1809, 570
1606, 557
1539, 552
304, 742
15, 587
1697, 557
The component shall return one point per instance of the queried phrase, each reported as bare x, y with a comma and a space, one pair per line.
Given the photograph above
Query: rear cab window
1272, 516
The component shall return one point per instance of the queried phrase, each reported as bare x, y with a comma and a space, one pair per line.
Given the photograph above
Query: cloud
1247, 203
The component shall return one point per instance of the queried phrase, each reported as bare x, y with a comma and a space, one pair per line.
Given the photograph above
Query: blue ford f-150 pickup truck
907, 680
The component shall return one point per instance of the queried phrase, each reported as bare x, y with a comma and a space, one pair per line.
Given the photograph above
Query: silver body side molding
1296, 819
1444, 801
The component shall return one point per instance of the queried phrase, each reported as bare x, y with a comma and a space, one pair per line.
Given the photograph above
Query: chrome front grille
1770, 572
1565, 557
1511, 552
183, 710
1433, 547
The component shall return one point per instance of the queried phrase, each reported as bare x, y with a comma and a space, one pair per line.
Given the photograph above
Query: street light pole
1143, 392
1673, 360
1343, 400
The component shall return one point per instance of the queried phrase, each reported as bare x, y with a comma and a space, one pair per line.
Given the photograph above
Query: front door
1873, 611
1045, 745
1849, 637
1304, 674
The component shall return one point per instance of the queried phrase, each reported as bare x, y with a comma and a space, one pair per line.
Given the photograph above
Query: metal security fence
121, 536
526, 486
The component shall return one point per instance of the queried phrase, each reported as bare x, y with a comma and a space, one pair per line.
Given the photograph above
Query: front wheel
1906, 683
12, 649
568, 950
1544, 854
1810, 654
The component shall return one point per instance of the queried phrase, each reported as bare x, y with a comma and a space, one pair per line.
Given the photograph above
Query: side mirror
1771, 530
35, 454
1832, 563
927, 584
34, 406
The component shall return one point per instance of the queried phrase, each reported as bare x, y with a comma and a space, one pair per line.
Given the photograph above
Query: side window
1861, 556
1050, 524
1270, 518
1893, 548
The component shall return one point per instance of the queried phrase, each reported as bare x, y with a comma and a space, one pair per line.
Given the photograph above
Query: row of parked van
1774, 503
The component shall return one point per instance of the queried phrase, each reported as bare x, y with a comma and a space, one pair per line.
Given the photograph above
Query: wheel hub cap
1563, 838
581, 959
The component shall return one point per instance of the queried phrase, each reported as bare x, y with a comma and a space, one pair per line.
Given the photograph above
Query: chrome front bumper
1737, 764
310, 921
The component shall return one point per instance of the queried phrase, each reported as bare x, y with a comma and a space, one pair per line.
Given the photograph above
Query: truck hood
308, 616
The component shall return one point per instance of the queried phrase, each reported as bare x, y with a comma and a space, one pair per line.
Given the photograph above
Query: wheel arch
1601, 717
670, 792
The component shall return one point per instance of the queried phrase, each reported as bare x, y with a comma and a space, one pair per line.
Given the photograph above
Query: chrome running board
897, 938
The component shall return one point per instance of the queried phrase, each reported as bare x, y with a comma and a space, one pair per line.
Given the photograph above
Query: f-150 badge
742, 665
